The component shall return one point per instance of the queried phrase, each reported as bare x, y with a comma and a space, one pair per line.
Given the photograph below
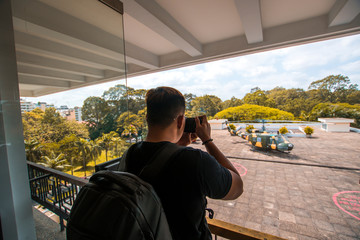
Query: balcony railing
57, 191
53, 189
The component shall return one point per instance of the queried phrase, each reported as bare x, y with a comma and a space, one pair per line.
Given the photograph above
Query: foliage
232, 126
308, 130
49, 126
106, 142
54, 161
207, 105
189, 97
344, 110
129, 118
94, 112
249, 127
33, 150
283, 130
258, 97
334, 88
233, 102
253, 112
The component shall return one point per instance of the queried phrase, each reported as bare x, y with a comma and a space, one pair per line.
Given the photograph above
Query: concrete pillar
15, 202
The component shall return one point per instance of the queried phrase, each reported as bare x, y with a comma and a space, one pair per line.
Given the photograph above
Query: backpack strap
160, 160
125, 157
156, 164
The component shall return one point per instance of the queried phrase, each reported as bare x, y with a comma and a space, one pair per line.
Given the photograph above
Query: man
192, 174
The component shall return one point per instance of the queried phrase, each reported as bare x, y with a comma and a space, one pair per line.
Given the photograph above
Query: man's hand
185, 139
203, 130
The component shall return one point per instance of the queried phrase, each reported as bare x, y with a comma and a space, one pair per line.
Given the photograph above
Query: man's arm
204, 133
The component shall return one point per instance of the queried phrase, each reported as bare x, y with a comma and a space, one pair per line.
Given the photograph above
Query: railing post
62, 226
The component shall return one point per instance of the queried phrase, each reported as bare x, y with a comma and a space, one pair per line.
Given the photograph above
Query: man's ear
180, 121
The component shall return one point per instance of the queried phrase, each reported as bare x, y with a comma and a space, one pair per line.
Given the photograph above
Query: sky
292, 67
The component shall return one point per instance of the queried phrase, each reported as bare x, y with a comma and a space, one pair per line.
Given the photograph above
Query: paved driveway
311, 193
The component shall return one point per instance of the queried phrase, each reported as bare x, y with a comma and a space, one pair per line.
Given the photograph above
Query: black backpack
119, 205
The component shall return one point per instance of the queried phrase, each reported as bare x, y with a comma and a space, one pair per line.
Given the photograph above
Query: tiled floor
286, 195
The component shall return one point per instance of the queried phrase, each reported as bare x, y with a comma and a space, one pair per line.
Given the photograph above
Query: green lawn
90, 168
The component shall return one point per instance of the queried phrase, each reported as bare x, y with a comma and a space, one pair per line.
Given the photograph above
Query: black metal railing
109, 165
53, 189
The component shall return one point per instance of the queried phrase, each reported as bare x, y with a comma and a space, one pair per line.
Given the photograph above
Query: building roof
68, 44
336, 120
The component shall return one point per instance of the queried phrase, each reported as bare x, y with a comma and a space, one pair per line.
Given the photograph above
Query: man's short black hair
164, 104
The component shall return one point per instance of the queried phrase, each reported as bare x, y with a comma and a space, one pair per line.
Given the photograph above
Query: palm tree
33, 150
118, 146
56, 162
69, 148
84, 150
94, 151
106, 142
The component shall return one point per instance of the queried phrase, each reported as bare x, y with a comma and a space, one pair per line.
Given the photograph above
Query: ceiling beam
152, 15
39, 46
43, 82
51, 74
135, 53
26, 93
292, 34
27, 59
343, 12
44, 21
250, 15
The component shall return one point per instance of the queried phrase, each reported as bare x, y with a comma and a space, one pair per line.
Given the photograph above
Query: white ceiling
68, 44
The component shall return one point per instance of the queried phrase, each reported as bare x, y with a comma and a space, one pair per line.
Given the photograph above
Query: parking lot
313, 192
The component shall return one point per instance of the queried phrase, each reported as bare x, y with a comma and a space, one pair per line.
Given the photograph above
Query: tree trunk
72, 167
84, 166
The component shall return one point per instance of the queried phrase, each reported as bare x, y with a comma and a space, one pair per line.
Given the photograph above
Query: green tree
344, 110
136, 99
333, 88
129, 118
93, 112
69, 147
94, 151
253, 112
257, 97
33, 150
119, 147
32, 124
189, 97
106, 142
207, 105
83, 151
233, 102
54, 161
52, 117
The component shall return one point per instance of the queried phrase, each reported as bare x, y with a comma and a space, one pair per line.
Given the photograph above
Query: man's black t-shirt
183, 186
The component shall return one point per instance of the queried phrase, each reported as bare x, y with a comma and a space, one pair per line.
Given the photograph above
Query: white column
15, 203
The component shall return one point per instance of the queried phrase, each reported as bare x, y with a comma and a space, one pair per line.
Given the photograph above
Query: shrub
283, 130
308, 130
249, 127
232, 126
343, 110
253, 112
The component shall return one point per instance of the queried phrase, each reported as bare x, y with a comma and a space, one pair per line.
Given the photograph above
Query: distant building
68, 114
26, 106
41, 105
336, 124
63, 108
78, 114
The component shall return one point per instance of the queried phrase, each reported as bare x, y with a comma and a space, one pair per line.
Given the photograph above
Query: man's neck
159, 134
